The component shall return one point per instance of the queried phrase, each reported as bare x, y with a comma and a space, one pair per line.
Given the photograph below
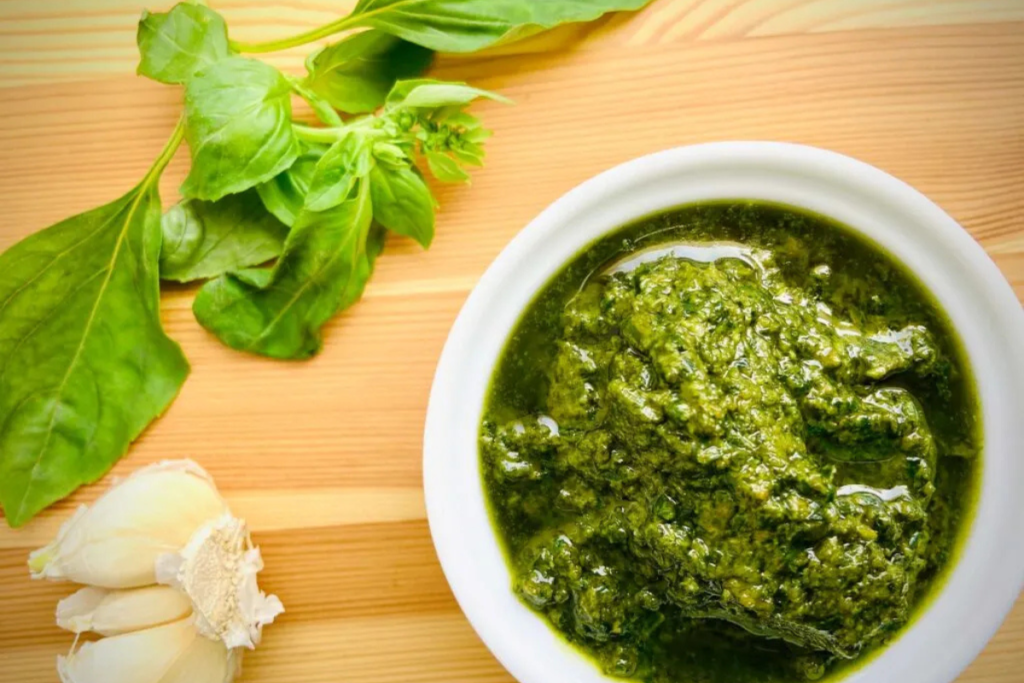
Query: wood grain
323, 457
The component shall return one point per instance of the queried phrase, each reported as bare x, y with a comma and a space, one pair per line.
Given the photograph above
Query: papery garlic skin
173, 653
112, 613
217, 570
115, 542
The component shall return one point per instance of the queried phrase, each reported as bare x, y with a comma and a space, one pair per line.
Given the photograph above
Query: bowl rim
969, 287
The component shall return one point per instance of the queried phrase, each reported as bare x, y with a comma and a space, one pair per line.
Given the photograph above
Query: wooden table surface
323, 457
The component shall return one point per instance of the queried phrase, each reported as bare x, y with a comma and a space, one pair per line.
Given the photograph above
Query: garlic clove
205, 661
173, 653
217, 570
112, 613
115, 543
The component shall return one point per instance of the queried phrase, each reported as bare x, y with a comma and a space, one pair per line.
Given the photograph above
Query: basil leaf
176, 44
84, 362
338, 170
372, 248
390, 154
470, 25
238, 127
444, 168
207, 239
427, 93
285, 193
469, 154
320, 106
327, 259
402, 202
356, 74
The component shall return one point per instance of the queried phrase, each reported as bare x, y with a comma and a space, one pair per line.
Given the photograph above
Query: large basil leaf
207, 239
356, 74
402, 202
285, 193
176, 44
470, 25
327, 260
238, 126
84, 362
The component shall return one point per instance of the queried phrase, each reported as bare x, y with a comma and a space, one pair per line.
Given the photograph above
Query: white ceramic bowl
990, 573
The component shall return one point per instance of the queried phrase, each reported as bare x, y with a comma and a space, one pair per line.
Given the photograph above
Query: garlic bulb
115, 543
112, 613
165, 524
217, 570
172, 653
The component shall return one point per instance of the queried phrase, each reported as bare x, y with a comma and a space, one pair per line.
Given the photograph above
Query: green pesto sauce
730, 443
